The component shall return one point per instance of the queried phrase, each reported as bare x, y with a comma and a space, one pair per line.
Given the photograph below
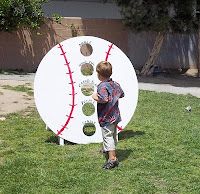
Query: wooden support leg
61, 141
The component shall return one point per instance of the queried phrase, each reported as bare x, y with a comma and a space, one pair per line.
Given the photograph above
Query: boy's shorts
109, 134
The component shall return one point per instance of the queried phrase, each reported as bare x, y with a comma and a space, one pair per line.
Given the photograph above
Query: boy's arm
101, 96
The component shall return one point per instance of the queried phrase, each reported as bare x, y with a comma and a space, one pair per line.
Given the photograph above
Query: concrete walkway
176, 84
172, 84
27, 77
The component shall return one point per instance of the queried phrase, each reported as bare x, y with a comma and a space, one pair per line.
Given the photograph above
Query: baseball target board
66, 79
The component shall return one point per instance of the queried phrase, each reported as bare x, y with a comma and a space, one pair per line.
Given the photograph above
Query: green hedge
20, 13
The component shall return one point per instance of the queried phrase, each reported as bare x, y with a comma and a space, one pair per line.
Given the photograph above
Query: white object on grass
59, 86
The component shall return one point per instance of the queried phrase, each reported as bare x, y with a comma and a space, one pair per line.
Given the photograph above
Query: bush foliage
160, 15
20, 13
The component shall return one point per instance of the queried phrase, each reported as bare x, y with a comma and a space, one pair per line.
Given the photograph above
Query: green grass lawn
159, 152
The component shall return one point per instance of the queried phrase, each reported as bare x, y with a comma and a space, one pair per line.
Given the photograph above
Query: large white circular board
62, 89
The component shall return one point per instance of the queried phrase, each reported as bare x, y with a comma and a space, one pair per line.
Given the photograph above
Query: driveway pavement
177, 84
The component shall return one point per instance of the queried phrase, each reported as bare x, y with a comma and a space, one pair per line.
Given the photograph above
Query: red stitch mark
108, 52
72, 105
119, 128
106, 59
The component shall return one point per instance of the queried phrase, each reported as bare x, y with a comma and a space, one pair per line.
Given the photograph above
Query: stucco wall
24, 49
178, 50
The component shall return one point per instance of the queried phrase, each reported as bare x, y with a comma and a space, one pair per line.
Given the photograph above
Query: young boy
108, 93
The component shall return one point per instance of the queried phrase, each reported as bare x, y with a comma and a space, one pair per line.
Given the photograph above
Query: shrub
20, 13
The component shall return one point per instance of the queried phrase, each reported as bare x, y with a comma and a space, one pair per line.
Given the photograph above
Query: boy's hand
98, 99
95, 97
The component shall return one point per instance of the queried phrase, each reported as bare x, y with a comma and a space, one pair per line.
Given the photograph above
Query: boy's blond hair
104, 68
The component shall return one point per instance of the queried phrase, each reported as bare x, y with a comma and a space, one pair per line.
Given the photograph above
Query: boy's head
104, 69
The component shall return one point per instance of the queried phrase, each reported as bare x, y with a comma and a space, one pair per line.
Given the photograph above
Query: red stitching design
106, 59
108, 52
72, 105
119, 128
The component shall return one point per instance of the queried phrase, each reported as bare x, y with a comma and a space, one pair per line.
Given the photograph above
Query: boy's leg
109, 143
112, 155
108, 137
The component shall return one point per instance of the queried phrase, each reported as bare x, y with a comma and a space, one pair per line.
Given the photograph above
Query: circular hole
89, 129
87, 69
88, 109
86, 49
87, 89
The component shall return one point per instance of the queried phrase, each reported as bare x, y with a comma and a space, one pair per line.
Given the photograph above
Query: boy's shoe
111, 164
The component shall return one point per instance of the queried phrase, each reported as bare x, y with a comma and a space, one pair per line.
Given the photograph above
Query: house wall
83, 9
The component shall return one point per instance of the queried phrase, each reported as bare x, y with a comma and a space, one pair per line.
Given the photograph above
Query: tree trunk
147, 69
198, 65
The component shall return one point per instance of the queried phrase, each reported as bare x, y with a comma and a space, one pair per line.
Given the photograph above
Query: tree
198, 19
20, 13
161, 16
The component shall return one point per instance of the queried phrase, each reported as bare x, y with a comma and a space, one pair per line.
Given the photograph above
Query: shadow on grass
122, 135
55, 140
123, 154
129, 134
